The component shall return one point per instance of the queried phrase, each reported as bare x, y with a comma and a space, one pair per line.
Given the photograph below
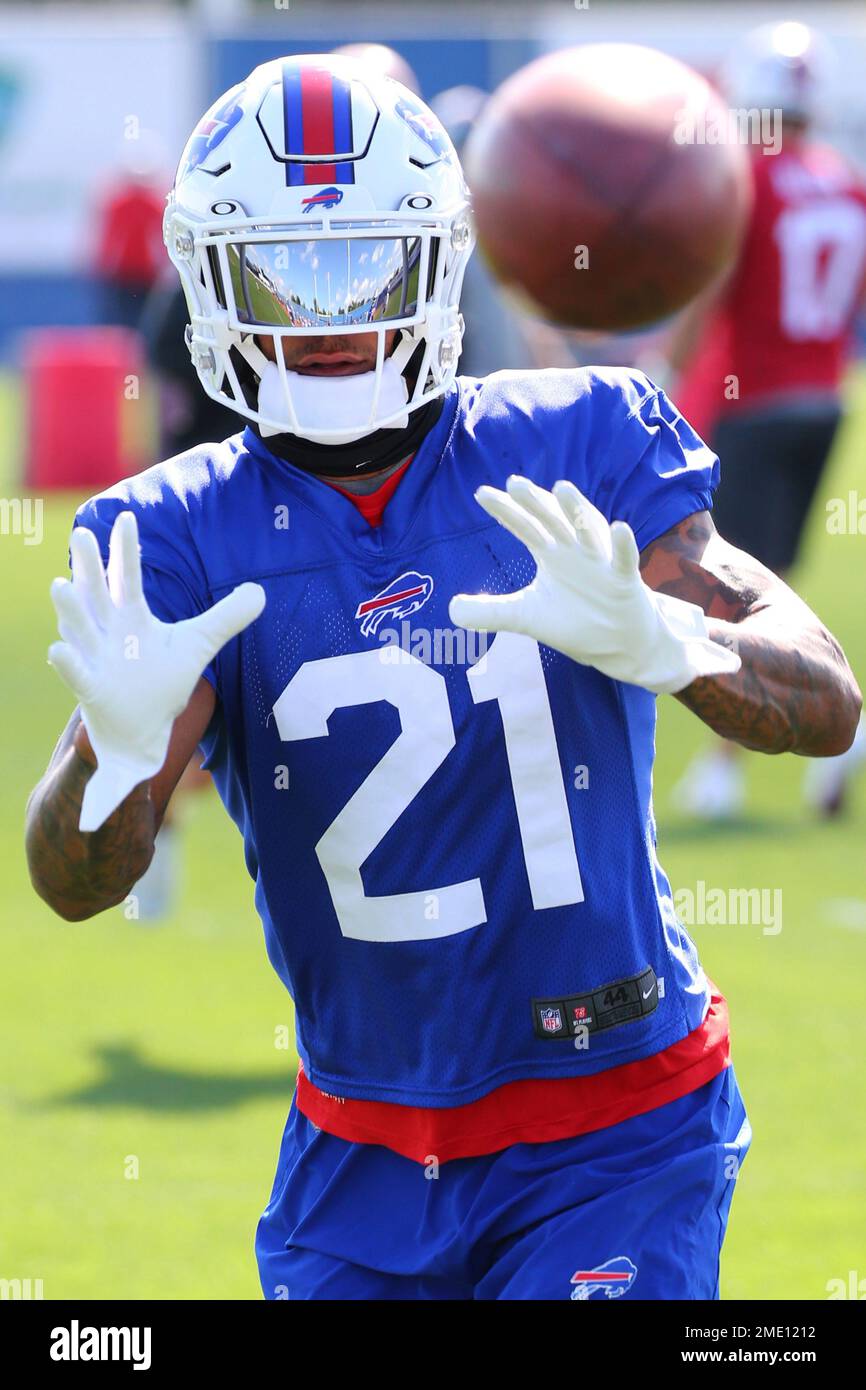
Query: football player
515, 1076
769, 351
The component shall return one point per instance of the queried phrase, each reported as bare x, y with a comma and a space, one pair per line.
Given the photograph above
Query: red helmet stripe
317, 102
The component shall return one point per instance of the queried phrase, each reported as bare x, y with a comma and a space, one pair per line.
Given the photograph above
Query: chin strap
328, 403
324, 403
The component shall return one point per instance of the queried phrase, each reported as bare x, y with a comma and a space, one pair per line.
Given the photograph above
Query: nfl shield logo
551, 1020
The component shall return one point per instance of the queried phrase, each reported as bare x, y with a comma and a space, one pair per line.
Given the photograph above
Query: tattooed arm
81, 874
795, 691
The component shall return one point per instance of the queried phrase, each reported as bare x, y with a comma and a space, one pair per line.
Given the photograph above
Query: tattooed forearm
795, 691
79, 875
788, 696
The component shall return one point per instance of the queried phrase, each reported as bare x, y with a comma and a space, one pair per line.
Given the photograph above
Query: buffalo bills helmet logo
610, 1280
211, 130
425, 125
325, 198
400, 599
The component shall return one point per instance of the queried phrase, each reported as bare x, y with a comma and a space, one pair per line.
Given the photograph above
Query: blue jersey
452, 842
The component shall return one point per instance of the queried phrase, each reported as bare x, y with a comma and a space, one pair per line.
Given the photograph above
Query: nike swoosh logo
646, 993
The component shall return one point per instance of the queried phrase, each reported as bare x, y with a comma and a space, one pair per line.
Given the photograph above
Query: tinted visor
304, 284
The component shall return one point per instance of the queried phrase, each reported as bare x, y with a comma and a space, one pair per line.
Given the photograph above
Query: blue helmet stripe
345, 171
293, 121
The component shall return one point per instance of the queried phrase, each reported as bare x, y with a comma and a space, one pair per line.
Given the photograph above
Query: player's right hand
132, 674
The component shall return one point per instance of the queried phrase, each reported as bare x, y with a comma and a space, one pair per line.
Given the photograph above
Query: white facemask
331, 403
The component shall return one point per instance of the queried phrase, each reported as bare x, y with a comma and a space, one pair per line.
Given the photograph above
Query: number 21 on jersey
511, 674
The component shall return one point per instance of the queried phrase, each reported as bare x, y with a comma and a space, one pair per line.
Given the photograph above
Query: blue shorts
637, 1210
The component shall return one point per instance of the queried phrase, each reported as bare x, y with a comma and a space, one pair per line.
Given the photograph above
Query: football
606, 191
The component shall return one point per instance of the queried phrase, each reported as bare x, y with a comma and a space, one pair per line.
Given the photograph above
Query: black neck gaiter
368, 455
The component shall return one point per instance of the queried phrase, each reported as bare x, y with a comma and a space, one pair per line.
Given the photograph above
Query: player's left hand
588, 599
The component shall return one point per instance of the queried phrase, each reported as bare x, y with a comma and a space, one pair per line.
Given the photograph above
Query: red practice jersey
783, 322
130, 250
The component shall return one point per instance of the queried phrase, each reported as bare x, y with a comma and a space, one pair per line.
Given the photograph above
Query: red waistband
529, 1112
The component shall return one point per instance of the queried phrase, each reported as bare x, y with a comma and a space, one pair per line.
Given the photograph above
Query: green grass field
123, 1042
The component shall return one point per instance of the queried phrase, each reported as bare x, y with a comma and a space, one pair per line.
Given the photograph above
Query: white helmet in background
784, 67
384, 60
319, 197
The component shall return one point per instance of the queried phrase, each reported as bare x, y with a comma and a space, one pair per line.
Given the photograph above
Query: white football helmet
783, 67
319, 197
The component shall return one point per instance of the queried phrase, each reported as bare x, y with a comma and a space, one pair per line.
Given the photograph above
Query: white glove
587, 598
132, 674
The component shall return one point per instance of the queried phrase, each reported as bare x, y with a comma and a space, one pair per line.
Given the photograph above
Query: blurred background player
129, 254
766, 354
385, 61
187, 415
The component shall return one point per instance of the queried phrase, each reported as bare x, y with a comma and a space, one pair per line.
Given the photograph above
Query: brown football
601, 187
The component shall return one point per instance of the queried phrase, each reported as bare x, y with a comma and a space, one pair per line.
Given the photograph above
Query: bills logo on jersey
402, 597
326, 198
551, 1020
610, 1280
